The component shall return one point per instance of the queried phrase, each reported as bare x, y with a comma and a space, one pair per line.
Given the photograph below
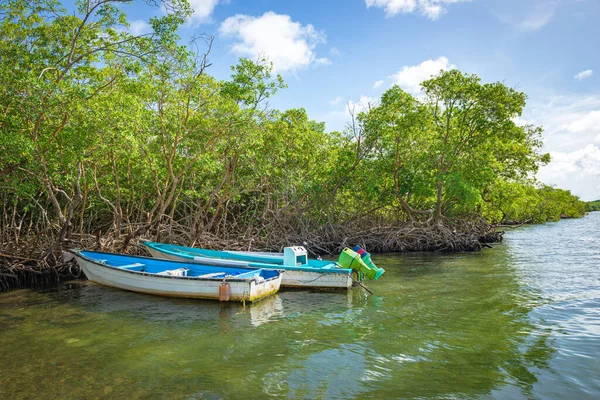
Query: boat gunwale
192, 259
192, 278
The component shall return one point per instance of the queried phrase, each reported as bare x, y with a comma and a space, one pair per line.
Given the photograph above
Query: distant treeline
518, 203
592, 205
106, 136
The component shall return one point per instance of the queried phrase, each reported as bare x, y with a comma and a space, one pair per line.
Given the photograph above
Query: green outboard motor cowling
351, 259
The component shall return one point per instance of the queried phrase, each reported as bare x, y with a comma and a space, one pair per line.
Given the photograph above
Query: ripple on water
519, 321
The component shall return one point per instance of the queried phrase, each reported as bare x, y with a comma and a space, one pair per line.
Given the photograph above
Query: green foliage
252, 82
592, 205
513, 202
438, 155
102, 129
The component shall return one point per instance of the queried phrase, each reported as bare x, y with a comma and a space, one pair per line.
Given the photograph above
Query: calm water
519, 321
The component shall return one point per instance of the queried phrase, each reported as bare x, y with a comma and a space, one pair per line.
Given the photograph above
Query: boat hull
290, 278
175, 286
309, 279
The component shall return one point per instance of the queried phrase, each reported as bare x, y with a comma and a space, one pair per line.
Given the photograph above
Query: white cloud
288, 44
338, 118
587, 123
571, 135
202, 10
139, 27
377, 84
393, 7
584, 74
578, 171
432, 9
363, 104
337, 100
409, 78
570, 121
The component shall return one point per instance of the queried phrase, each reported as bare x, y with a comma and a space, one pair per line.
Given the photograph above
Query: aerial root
35, 263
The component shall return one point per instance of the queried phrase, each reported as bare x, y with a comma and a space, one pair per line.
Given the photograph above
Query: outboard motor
360, 261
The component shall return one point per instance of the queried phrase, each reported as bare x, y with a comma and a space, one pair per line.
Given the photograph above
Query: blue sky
339, 53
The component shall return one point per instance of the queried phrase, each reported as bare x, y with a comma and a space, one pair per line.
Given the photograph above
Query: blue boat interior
158, 266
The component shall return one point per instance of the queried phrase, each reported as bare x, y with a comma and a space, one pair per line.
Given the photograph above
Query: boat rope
362, 285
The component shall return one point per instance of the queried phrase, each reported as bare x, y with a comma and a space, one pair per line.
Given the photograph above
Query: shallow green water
519, 321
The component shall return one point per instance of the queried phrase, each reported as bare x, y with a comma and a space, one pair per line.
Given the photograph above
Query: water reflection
495, 324
99, 299
443, 326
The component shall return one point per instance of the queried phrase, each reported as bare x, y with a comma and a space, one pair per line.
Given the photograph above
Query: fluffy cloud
571, 136
585, 160
202, 10
288, 44
584, 74
587, 123
363, 104
578, 171
393, 7
432, 9
139, 27
409, 78
570, 121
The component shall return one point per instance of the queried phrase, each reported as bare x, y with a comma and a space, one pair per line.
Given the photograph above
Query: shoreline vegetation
592, 206
107, 137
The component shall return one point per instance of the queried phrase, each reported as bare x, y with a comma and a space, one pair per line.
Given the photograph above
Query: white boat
178, 279
299, 273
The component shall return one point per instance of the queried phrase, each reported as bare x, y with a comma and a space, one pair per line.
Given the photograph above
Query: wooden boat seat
133, 266
174, 272
212, 275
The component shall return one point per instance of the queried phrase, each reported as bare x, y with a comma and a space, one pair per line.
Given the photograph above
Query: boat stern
265, 284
